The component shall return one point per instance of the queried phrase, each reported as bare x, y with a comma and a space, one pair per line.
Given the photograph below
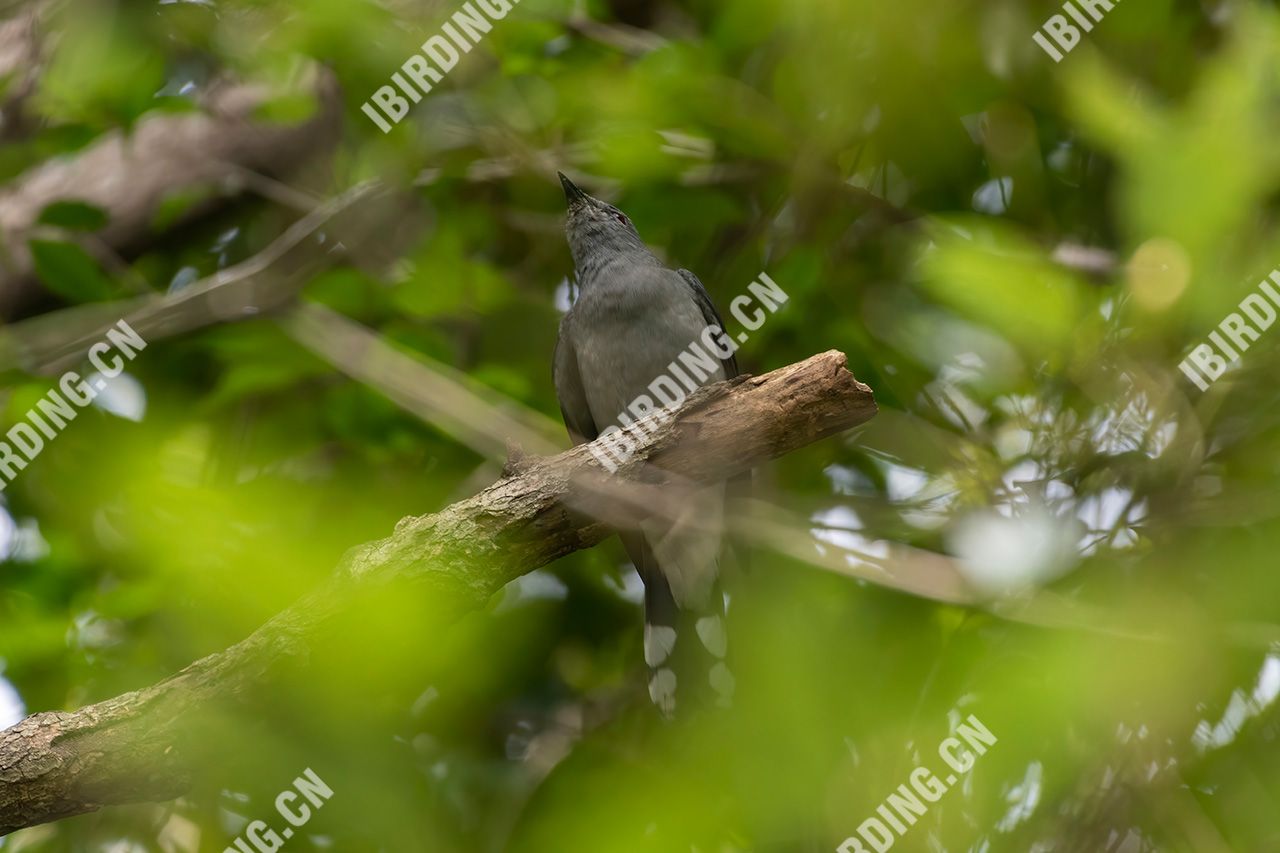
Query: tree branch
129, 176
20, 66
140, 746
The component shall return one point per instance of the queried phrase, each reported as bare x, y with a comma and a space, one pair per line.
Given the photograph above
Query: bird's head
595, 228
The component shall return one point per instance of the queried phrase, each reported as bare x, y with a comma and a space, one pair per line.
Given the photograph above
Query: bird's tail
684, 648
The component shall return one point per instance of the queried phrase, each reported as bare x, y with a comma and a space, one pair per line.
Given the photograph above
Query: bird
634, 316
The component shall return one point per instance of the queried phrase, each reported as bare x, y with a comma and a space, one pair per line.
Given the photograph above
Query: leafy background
917, 176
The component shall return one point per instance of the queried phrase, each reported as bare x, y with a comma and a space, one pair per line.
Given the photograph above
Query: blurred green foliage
909, 174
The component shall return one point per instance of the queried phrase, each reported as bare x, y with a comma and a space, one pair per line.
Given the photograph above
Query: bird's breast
627, 338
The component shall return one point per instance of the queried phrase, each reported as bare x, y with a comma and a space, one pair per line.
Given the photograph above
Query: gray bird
632, 318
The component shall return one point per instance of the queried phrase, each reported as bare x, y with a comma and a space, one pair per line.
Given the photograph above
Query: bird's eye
622, 217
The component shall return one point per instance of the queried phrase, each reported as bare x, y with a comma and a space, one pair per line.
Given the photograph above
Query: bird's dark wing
709, 313
740, 487
573, 400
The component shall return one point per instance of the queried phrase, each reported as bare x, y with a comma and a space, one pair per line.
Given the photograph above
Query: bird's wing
709, 313
740, 487
573, 400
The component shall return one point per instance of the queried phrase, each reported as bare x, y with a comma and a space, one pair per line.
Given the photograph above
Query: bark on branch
129, 176
19, 66
139, 746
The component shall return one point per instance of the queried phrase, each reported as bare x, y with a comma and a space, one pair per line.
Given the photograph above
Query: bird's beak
572, 194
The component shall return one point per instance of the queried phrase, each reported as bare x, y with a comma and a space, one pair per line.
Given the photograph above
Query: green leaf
287, 109
78, 215
178, 204
68, 271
